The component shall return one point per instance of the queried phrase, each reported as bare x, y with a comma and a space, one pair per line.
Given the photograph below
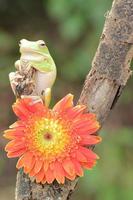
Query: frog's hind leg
46, 96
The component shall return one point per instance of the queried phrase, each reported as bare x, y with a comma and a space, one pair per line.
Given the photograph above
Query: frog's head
33, 50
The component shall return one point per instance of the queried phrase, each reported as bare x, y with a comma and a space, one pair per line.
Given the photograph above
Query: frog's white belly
43, 81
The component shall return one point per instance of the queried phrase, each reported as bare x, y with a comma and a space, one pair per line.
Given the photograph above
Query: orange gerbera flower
52, 143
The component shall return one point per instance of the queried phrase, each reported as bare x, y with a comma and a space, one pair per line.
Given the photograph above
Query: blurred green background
71, 29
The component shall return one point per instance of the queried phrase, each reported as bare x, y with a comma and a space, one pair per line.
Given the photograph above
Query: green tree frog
37, 55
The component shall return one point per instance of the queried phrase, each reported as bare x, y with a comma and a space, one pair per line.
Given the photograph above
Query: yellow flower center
50, 137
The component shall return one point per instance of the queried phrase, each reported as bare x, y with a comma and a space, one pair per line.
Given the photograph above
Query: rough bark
104, 84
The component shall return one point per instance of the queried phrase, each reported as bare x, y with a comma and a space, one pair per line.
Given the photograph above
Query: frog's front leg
14, 77
23, 66
21, 83
46, 96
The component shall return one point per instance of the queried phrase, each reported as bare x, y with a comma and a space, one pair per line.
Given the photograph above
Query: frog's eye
22, 41
42, 43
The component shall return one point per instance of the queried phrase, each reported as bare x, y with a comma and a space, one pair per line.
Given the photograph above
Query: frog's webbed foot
46, 96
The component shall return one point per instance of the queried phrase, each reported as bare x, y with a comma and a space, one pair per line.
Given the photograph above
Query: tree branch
104, 84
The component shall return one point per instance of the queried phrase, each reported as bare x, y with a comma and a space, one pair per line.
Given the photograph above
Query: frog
36, 56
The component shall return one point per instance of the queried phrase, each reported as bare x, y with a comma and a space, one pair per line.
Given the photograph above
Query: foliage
112, 177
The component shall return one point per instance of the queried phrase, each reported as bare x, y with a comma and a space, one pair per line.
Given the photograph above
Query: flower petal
74, 112
63, 104
69, 167
40, 176
78, 167
38, 166
49, 176
59, 172
89, 165
27, 161
89, 154
30, 166
20, 163
80, 156
23, 108
14, 154
90, 140
88, 128
15, 145
18, 124
45, 165
19, 108
13, 134
70, 177
44, 180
